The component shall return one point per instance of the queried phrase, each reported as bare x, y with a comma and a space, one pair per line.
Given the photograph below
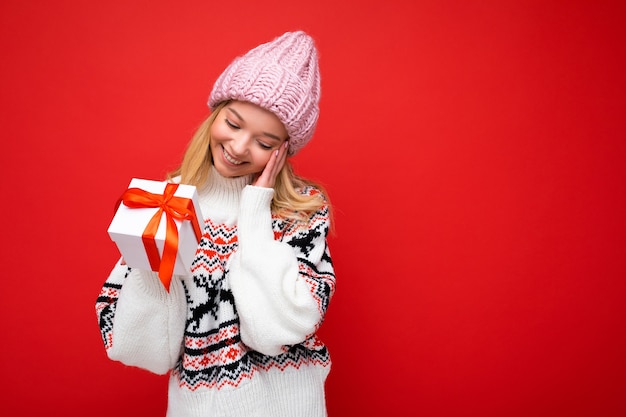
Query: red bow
174, 208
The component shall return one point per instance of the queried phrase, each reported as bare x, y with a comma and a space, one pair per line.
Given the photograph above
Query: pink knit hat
281, 76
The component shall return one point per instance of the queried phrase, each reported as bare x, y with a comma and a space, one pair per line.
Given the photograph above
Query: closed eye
231, 124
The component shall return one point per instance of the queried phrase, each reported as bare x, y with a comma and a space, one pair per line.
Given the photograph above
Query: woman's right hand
267, 178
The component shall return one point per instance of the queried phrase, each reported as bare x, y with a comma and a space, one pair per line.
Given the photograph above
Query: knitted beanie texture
281, 76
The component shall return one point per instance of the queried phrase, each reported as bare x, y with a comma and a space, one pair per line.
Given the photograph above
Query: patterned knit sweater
238, 334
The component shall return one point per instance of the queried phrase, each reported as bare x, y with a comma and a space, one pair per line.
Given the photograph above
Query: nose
239, 145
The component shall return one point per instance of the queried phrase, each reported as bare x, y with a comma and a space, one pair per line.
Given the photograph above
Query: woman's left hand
267, 178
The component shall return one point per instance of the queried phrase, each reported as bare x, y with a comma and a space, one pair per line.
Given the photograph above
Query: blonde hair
290, 202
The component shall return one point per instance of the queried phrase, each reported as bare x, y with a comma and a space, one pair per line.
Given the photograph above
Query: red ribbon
174, 208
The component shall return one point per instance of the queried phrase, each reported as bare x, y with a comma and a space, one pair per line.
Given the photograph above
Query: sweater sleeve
281, 287
141, 323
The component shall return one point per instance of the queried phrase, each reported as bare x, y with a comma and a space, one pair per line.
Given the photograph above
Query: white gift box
128, 225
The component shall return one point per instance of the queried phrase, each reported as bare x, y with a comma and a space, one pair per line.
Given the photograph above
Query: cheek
215, 131
264, 158
260, 161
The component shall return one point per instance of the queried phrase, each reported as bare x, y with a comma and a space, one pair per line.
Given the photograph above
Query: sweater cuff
255, 216
147, 283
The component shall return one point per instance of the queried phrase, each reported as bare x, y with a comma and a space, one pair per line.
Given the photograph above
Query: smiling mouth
230, 158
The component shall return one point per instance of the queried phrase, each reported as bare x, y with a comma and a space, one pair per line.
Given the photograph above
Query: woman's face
243, 137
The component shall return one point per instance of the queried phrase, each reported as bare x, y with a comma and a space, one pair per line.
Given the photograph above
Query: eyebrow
270, 135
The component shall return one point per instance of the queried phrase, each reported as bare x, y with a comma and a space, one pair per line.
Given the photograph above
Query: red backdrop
474, 151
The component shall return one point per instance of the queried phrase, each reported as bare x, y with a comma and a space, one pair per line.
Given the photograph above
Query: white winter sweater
238, 333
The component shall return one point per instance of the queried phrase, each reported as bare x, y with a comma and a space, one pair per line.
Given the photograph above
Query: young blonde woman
238, 333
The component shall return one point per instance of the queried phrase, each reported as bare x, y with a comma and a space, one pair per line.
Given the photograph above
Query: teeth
230, 158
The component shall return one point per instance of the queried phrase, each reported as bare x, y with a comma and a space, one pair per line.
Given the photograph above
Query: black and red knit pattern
214, 355
105, 309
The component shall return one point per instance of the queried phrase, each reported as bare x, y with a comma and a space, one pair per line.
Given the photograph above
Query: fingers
267, 178
282, 156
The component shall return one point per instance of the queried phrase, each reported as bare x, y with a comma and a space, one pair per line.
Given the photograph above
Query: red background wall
474, 151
